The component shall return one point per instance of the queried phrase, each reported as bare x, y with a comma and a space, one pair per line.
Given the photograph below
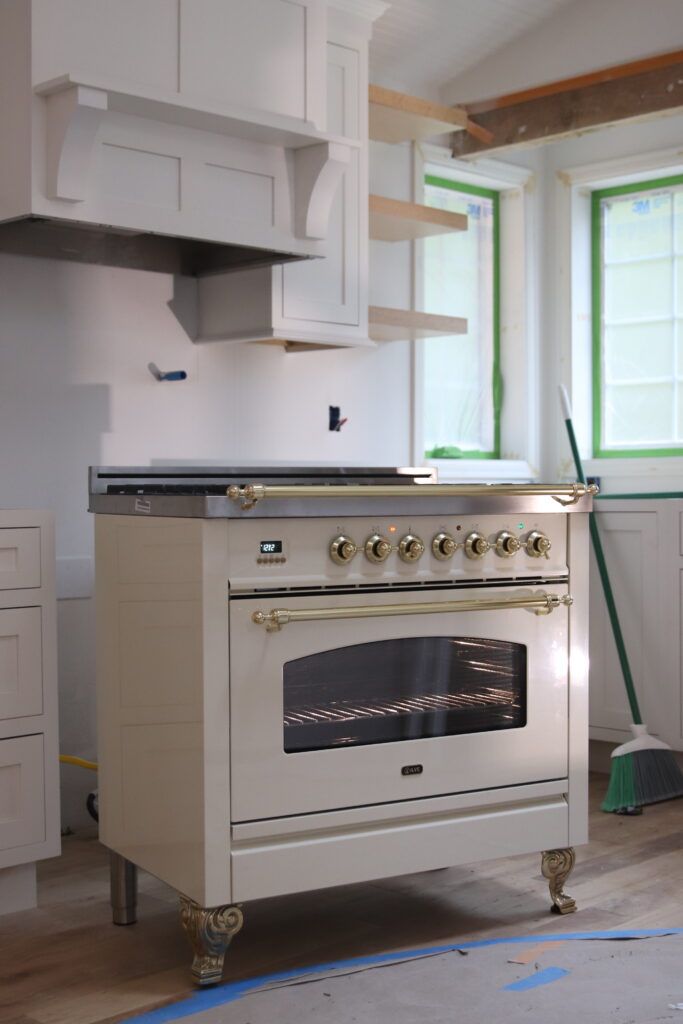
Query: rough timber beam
637, 90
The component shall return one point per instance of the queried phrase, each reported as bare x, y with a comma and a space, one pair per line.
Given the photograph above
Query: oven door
344, 700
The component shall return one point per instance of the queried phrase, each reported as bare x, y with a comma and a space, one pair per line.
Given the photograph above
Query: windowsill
637, 475
482, 471
646, 466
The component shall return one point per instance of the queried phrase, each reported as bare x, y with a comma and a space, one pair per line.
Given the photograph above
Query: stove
309, 677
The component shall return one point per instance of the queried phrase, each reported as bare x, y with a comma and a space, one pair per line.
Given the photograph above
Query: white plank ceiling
422, 44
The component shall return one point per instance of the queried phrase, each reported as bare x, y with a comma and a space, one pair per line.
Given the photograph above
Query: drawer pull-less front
540, 604
19, 558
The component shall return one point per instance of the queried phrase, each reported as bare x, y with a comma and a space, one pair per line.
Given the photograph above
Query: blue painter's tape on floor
220, 995
543, 977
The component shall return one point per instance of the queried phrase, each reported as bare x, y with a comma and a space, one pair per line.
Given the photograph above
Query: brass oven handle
540, 604
565, 494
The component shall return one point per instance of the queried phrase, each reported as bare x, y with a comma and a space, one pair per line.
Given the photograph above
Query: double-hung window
637, 318
461, 391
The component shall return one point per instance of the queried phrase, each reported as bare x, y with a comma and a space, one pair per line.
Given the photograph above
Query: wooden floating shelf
397, 117
393, 220
408, 325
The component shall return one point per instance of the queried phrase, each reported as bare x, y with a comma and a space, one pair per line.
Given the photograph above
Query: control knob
444, 546
538, 545
342, 549
377, 548
476, 545
410, 548
507, 544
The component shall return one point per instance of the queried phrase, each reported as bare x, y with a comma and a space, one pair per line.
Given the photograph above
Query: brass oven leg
556, 866
123, 879
210, 932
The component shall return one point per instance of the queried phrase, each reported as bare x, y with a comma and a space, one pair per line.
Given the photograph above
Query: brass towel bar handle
540, 604
565, 494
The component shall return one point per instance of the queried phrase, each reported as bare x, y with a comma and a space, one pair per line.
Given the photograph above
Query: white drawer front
21, 663
22, 798
19, 558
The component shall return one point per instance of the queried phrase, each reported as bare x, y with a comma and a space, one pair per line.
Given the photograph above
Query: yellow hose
80, 762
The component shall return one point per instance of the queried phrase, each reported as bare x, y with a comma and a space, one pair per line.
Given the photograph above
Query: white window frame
574, 188
519, 355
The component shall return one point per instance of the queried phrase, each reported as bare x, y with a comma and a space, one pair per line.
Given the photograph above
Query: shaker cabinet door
328, 290
22, 801
21, 663
19, 558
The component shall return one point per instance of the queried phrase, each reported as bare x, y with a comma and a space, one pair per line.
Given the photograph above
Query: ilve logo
412, 769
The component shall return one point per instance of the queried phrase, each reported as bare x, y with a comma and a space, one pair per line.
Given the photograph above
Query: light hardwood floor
65, 963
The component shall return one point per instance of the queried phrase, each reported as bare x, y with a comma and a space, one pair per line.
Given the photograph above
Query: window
637, 274
461, 374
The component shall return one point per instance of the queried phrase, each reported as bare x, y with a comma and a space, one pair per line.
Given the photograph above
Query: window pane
679, 284
634, 291
640, 414
406, 689
635, 351
678, 221
458, 371
641, 296
636, 226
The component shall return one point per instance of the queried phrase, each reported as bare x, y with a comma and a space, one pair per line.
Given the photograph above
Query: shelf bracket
74, 115
318, 170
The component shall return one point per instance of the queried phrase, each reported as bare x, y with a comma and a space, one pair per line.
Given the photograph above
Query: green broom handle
604, 575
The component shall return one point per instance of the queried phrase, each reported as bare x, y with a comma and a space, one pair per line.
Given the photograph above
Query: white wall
581, 36
75, 390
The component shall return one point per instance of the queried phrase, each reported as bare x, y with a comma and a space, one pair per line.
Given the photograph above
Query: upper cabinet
318, 303
198, 120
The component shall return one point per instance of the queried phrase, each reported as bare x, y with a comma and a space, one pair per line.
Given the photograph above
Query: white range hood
184, 136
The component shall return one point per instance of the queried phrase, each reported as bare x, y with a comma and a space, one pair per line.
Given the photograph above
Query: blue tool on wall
169, 375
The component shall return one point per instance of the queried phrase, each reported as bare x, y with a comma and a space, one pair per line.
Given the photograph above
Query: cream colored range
195, 786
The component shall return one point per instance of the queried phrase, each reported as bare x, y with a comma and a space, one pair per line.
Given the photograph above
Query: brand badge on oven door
412, 769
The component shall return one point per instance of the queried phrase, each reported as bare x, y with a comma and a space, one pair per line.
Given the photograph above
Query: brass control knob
444, 546
507, 544
342, 549
538, 545
476, 545
377, 548
410, 548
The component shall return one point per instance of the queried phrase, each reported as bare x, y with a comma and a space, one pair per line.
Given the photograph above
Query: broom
644, 770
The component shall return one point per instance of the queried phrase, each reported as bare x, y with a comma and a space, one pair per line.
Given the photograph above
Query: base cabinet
29, 766
643, 547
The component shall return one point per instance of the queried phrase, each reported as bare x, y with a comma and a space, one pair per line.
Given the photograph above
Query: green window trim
496, 378
597, 196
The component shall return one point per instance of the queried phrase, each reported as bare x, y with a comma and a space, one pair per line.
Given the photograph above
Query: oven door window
407, 689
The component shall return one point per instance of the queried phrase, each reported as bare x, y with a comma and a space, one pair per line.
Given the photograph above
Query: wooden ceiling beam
636, 90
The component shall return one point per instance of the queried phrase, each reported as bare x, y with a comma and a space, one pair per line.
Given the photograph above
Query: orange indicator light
392, 529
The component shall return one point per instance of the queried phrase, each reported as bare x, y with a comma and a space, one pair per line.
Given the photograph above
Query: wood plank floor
65, 963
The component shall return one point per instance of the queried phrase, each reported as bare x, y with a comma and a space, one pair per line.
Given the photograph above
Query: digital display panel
271, 547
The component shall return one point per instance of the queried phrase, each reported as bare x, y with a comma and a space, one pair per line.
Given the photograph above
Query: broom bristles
642, 777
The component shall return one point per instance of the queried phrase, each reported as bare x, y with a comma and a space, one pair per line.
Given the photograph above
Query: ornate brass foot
556, 866
210, 932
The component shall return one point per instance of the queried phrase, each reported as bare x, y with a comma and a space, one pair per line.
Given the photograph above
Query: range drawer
19, 558
21, 662
22, 799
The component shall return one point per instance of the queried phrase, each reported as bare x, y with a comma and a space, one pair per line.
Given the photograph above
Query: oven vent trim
238, 593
